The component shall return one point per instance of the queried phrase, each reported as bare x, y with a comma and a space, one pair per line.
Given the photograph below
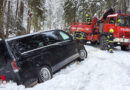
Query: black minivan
36, 57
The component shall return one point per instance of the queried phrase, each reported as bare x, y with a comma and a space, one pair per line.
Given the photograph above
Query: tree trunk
124, 7
2, 10
8, 20
20, 16
17, 8
29, 17
28, 22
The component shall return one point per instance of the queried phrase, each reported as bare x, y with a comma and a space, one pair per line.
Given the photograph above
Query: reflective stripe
110, 41
77, 38
88, 19
108, 36
110, 49
80, 35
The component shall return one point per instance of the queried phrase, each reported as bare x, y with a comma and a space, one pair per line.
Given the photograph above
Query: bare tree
8, 20
29, 17
21, 11
17, 8
29, 21
2, 10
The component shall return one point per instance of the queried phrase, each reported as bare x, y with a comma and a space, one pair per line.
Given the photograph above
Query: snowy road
100, 71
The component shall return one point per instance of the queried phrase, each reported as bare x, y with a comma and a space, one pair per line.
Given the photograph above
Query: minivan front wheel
45, 74
82, 54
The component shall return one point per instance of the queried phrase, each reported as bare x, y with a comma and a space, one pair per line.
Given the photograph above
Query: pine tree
70, 12
38, 10
2, 11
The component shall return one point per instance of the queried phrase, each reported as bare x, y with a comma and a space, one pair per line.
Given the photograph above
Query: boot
111, 50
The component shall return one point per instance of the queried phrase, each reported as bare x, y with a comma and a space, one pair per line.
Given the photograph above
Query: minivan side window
37, 41
28, 43
52, 37
65, 36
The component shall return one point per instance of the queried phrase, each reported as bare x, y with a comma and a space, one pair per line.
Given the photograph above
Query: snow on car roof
22, 36
12, 38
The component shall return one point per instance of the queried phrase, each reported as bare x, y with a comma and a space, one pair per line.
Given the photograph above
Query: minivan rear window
27, 43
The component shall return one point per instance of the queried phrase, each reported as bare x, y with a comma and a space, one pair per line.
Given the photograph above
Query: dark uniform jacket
110, 37
80, 35
88, 19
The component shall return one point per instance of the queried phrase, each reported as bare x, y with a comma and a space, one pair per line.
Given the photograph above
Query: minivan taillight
14, 66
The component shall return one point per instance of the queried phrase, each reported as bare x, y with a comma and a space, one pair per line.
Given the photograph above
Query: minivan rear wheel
82, 54
45, 74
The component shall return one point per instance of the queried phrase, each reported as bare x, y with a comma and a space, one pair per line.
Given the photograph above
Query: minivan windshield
123, 21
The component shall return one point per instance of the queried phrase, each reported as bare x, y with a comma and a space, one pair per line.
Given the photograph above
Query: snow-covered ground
100, 71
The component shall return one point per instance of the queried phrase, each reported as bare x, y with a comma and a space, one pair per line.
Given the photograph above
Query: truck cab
121, 25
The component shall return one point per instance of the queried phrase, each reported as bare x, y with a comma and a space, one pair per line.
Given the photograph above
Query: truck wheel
82, 54
45, 74
93, 42
103, 43
125, 48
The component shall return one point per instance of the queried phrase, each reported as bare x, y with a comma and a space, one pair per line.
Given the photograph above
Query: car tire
93, 43
45, 74
82, 54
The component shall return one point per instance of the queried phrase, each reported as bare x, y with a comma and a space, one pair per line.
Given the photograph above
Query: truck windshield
123, 21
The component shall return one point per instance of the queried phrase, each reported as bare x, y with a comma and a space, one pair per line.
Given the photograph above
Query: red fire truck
96, 31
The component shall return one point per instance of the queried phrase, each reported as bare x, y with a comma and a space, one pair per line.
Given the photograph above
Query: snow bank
100, 71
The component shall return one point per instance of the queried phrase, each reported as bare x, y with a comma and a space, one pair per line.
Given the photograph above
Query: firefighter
77, 34
119, 22
83, 37
112, 21
110, 40
80, 36
88, 19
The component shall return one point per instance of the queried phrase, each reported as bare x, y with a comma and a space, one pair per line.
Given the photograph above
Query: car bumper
121, 40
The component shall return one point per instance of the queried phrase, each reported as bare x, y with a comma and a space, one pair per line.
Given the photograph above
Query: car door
111, 22
56, 48
71, 50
